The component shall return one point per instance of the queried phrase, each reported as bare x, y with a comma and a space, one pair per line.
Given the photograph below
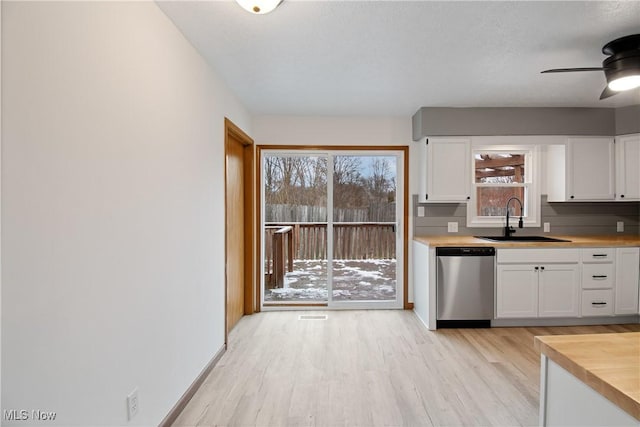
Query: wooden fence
285, 242
289, 214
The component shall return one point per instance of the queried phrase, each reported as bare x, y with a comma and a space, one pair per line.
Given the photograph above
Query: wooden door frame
405, 207
231, 130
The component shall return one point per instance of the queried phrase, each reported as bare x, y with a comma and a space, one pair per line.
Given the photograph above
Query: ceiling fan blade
606, 93
571, 70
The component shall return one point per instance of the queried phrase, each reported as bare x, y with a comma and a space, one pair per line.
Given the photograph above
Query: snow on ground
353, 280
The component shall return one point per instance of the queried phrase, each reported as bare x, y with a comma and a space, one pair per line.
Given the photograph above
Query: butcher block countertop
608, 363
575, 241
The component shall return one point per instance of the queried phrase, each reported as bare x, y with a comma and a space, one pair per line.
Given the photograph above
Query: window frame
402, 224
532, 203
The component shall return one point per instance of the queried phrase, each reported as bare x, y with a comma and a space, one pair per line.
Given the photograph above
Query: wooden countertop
608, 363
575, 241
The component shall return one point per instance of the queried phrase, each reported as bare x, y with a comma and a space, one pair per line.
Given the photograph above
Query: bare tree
382, 182
348, 189
302, 181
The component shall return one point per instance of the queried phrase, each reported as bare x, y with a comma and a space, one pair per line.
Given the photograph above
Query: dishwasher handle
466, 251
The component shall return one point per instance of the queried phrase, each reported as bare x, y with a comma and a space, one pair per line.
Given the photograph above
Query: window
500, 173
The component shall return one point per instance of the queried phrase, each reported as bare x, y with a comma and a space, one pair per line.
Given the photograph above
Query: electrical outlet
620, 226
420, 210
547, 227
133, 404
452, 227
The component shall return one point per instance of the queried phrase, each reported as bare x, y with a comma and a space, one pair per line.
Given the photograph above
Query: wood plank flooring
369, 368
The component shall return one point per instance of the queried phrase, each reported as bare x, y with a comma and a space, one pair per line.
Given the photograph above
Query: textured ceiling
393, 57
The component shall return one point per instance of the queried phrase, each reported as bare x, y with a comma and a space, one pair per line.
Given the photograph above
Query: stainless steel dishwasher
464, 286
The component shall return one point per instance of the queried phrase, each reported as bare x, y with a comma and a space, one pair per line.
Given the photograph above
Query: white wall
112, 210
367, 131
0, 206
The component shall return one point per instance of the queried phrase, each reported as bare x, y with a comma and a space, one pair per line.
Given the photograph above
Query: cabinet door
559, 289
628, 167
627, 276
516, 291
448, 166
590, 169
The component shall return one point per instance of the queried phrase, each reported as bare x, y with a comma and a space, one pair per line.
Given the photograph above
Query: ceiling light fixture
259, 7
625, 83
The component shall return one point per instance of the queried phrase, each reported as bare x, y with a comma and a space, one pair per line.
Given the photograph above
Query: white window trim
532, 187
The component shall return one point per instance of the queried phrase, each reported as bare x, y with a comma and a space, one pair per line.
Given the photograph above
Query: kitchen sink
521, 239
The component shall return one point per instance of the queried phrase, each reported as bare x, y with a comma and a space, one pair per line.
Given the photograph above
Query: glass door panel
330, 223
295, 240
364, 225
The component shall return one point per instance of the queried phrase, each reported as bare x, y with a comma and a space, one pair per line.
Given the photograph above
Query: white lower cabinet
517, 291
534, 283
561, 283
598, 280
627, 280
530, 290
559, 290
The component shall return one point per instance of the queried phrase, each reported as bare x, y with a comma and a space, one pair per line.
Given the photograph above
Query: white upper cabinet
628, 167
445, 173
581, 170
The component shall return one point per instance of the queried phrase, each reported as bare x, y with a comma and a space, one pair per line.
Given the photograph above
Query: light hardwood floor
369, 368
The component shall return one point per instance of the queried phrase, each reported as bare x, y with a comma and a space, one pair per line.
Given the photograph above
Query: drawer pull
599, 303
599, 255
599, 276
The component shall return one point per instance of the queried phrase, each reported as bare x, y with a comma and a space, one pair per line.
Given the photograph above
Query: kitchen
582, 273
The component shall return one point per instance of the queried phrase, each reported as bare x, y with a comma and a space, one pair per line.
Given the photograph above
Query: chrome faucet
508, 231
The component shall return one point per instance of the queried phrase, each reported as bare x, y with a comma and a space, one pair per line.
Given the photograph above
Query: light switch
452, 227
420, 210
547, 227
620, 226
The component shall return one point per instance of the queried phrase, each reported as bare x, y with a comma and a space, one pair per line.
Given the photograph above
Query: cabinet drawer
597, 303
598, 255
537, 256
597, 276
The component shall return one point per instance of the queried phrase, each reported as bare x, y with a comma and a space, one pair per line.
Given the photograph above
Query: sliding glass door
330, 227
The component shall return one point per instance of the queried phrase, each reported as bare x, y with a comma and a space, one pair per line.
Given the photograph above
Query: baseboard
195, 385
570, 321
421, 320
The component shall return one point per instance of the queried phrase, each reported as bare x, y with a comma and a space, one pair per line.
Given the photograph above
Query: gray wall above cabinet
628, 120
572, 218
489, 121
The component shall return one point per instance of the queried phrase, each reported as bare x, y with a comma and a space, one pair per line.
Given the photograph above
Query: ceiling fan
621, 68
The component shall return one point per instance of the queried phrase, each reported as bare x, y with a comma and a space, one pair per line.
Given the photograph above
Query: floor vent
313, 317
